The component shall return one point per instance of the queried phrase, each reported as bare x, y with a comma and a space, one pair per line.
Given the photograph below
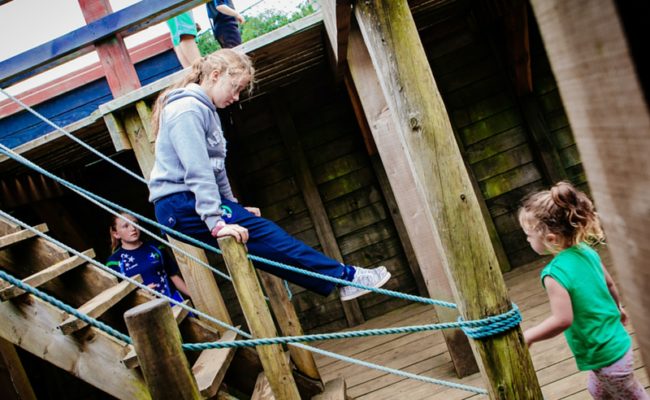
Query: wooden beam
317, 212
32, 325
441, 178
128, 20
17, 237
211, 366
258, 317
163, 363
262, 389
608, 111
46, 275
334, 390
337, 15
288, 321
16, 383
98, 305
422, 233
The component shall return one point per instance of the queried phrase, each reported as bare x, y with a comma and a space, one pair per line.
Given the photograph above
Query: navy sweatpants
266, 239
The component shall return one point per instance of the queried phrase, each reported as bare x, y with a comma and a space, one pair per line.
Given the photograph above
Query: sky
30, 23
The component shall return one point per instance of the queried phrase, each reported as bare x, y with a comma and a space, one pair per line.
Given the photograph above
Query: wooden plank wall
345, 179
490, 126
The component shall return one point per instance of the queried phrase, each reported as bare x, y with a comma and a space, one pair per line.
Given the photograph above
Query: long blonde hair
225, 61
565, 212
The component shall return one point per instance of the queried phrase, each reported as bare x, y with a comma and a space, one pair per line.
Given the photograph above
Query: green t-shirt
596, 337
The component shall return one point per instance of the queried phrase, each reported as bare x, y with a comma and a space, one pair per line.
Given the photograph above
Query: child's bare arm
224, 9
561, 314
180, 284
613, 290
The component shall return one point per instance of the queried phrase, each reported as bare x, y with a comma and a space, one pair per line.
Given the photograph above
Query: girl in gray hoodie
190, 189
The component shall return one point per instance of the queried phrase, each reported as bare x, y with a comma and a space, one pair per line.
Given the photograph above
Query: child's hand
238, 232
254, 210
527, 338
240, 19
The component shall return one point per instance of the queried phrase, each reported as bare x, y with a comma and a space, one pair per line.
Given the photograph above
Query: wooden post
258, 317
285, 315
16, 383
401, 177
157, 342
609, 117
322, 225
206, 295
451, 205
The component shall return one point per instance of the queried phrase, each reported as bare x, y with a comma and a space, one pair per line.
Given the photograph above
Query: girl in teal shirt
583, 297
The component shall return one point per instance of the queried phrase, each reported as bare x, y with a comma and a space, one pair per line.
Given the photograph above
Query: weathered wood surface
99, 304
421, 231
608, 111
164, 366
313, 200
287, 320
425, 353
337, 15
17, 237
46, 275
428, 139
211, 366
32, 324
334, 390
262, 389
258, 316
14, 383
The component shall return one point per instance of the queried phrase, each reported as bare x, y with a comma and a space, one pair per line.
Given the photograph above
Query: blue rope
61, 305
9, 153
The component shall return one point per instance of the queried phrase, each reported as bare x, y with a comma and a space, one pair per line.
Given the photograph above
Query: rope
86, 194
73, 137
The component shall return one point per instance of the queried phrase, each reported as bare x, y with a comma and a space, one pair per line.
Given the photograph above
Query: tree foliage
257, 25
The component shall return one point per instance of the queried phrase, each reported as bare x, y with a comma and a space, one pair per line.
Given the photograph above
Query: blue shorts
180, 25
227, 34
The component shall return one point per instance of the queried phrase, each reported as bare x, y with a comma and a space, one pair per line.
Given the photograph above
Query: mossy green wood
426, 133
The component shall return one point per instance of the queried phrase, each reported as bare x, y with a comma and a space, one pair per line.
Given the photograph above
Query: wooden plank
15, 383
17, 237
46, 275
129, 20
211, 367
337, 15
164, 365
608, 111
118, 134
258, 317
33, 326
429, 143
98, 305
313, 200
262, 389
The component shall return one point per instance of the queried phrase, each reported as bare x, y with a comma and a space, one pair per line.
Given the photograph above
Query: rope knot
490, 326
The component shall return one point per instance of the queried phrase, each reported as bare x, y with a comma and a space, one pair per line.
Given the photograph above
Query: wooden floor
425, 352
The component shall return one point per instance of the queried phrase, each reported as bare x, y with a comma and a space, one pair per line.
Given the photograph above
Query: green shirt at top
596, 337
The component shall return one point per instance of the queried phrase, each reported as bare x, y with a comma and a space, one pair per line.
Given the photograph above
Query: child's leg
616, 381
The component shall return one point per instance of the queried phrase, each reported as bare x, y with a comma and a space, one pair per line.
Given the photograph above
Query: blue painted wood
64, 48
77, 104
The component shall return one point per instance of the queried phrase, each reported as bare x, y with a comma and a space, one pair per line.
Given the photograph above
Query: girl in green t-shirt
583, 297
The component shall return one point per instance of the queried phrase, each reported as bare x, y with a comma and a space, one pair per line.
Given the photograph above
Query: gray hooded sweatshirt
191, 153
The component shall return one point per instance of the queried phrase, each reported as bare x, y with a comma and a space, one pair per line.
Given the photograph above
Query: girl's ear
115, 234
214, 75
552, 239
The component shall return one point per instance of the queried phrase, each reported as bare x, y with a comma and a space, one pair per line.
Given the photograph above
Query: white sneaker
374, 278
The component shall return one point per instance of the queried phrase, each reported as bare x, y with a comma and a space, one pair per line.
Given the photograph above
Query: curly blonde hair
565, 212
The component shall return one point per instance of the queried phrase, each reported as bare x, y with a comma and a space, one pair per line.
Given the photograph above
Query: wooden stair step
211, 366
131, 359
16, 237
334, 390
99, 304
45, 275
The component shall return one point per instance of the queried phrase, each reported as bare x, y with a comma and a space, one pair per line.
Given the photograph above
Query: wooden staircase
89, 353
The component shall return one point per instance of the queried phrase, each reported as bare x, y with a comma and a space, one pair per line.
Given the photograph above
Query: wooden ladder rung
334, 390
131, 359
46, 275
15, 237
211, 366
98, 305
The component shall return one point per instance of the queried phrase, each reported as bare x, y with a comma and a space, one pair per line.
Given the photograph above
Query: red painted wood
81, 77
113, 55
